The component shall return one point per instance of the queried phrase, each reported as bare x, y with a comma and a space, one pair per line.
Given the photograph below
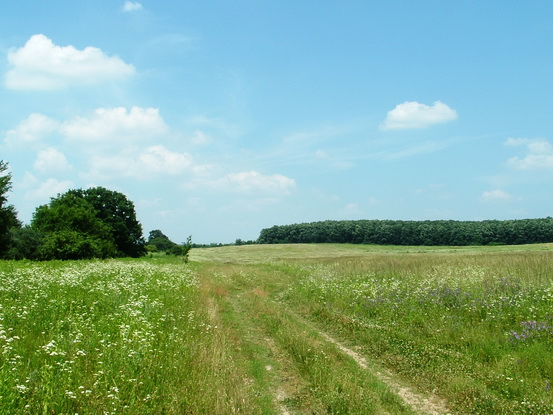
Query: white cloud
43, 191
131, 6
412, 114
250, 205
158, 159
540, 154
115, 125
41, 65
200, 138
496, 195
253, 182
112, 126
34, 128
351, 209
50, 159
150, 162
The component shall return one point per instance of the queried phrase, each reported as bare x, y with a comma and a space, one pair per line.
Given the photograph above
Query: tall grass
478, 328
474, 326
109, 337
324, 379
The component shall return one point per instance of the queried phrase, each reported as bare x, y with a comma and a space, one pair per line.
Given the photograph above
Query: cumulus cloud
33, 129
150, 162
413, 114
157, 159
42, 191
41, 65
254, 182
110, 126
116, 124
132, 6
496, 195
539, 154
50, 159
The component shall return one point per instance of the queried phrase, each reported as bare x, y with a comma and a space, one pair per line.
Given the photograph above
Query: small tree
186, 247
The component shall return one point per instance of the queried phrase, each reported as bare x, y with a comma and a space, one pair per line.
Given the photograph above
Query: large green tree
90, 223
8, 214
72, 229
118, 212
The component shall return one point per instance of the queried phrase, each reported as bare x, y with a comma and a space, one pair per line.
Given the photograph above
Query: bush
67, 244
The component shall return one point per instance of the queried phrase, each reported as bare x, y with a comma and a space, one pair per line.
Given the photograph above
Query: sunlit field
282, 329
102, 337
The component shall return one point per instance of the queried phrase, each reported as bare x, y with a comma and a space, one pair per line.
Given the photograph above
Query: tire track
431, 405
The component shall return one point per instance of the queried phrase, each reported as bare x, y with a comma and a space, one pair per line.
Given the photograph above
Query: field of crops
285, 329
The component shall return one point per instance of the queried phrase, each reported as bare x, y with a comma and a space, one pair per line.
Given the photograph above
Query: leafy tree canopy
96, 222
118, 212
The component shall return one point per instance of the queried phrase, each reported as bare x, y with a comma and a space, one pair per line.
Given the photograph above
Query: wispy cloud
255, 182
496, 195
413, 114
42, 190
414, 150
539, 154
41, 65
132, 6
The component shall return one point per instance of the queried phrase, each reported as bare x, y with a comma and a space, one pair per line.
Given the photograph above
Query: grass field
282, 329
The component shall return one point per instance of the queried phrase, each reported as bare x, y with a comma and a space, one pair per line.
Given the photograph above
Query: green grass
108, 337
241, 330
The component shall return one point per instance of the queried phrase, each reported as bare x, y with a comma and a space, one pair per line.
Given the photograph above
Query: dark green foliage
182, 250
25, 243
67, 244
160, 241
118, 213
8, 214
395, 232
177, 250
92, 223
156, 234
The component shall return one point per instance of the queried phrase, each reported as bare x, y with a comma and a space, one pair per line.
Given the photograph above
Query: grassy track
472, 326
286, 329
293, 368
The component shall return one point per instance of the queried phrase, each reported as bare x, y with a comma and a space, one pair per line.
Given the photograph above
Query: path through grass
281, 330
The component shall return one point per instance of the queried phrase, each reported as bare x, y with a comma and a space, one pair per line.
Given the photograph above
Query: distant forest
397, 232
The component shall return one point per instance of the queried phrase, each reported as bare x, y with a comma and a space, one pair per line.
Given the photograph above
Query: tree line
398, 232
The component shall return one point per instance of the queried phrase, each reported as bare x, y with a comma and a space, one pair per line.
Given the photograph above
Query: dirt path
430, 405
272, 336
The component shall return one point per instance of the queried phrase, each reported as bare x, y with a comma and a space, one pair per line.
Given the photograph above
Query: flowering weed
94, 337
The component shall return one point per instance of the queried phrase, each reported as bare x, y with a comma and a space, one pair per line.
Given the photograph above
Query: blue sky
220, 118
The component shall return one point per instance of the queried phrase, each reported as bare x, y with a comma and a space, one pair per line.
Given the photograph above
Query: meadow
282, 329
